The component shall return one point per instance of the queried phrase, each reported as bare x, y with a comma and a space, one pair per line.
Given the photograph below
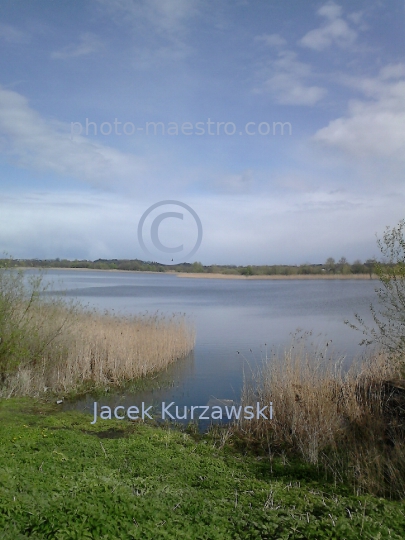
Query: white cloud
357, 18
45, 146
163, 25
374, 127
392, 71
285, 79
168, 17
88, 225
330, 11
13, 35
234, 183
334, 30
88, 44
67, 224
272, 40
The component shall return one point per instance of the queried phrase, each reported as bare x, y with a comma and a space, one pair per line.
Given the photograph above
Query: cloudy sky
280, 123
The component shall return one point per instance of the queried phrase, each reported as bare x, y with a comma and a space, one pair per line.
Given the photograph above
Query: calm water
230, 316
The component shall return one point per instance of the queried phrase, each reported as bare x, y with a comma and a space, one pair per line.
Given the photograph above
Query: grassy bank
65, 479
49, 345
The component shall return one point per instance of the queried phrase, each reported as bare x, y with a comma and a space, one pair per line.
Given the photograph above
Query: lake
237, 323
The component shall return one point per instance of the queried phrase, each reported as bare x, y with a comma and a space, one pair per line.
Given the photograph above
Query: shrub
28, 324
389, 312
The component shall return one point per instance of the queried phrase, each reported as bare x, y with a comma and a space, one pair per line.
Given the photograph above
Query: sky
280, 124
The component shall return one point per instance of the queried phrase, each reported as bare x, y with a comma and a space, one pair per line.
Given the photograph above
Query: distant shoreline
91, 270
279, 276
214, 276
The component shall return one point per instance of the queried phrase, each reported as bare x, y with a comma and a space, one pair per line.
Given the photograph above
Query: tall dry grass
47, 344
100, 349
347, 422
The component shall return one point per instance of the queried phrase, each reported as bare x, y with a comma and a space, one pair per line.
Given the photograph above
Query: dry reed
49, 344
98, 349
344, 421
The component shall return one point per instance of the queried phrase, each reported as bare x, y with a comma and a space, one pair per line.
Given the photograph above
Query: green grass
61, 477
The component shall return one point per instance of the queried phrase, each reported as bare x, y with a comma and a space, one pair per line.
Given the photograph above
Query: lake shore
116, 271
204, 275
278, 276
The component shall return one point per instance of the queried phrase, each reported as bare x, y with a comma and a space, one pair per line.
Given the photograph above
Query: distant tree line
342, 266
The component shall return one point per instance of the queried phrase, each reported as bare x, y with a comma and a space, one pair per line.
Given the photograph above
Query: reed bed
98, 350
346, 422
47, 344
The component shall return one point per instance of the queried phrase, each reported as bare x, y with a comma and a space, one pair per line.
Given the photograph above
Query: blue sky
332, 73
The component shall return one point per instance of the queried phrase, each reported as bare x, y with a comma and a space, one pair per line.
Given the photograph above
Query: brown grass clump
49, 344
350, 423
100, 349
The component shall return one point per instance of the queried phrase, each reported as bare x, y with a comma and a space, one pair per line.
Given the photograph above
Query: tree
330, 264
370, 265
357, 267
248, 271
197, 267
343, 266
389, 312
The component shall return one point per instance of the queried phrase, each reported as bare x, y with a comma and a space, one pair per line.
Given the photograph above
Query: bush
389, 312
28, 324
248, 271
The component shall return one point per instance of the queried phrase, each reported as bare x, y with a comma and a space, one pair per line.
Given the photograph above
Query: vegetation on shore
350, 423
388, 311
277, 277
330, 267
47, 344
62, 478
347, 423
